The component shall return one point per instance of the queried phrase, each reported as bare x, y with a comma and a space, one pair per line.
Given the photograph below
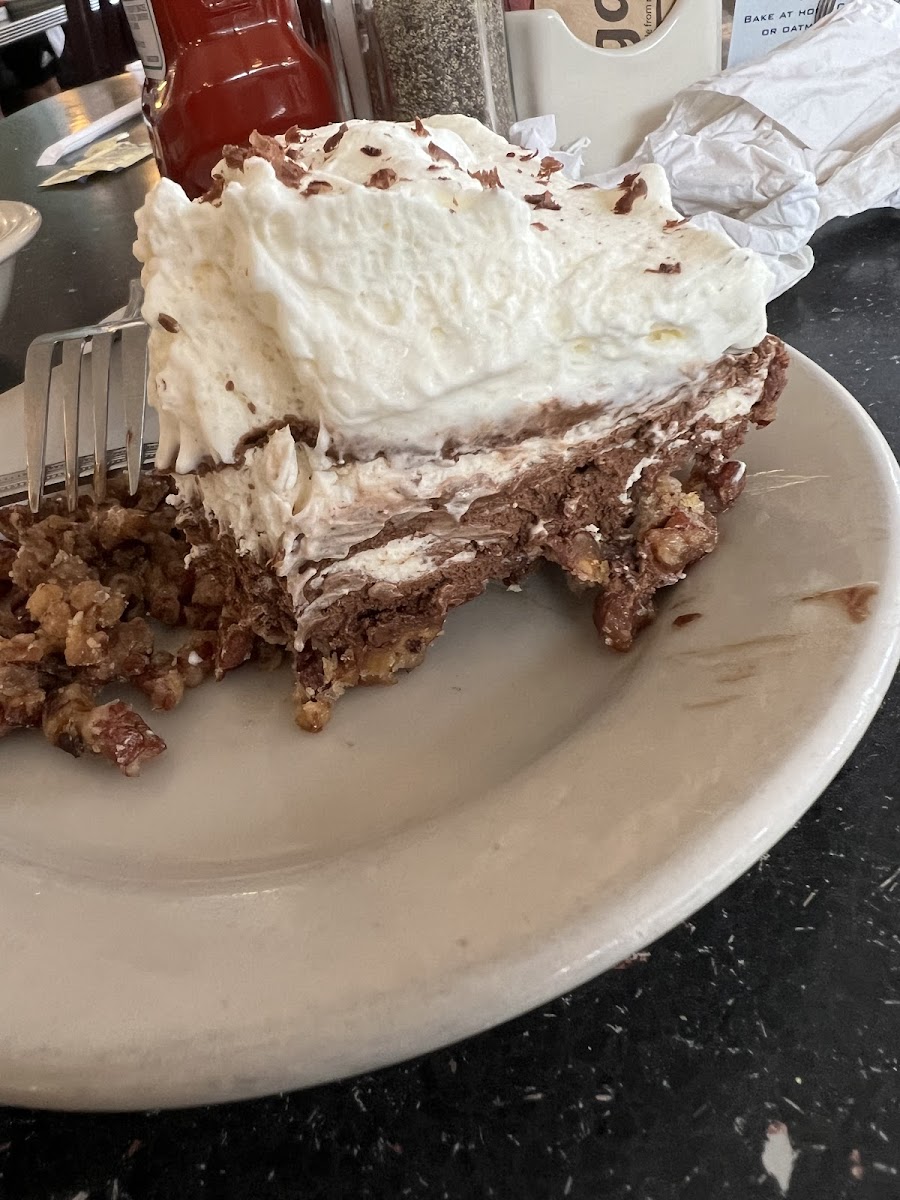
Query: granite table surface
750, 1053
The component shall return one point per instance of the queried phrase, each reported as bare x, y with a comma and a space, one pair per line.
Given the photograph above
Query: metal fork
130, 334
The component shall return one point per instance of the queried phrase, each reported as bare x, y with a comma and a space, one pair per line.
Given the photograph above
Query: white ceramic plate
18, 225
265, 909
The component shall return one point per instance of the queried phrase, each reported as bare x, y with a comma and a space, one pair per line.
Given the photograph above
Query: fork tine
38, 366
71, 389
101, 348
134, 393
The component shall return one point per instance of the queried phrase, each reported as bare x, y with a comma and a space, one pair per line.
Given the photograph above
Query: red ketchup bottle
218, 69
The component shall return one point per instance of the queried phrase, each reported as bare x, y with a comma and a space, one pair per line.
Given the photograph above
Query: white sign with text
759, 26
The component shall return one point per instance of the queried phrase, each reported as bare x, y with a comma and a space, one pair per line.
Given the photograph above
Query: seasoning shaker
413, 58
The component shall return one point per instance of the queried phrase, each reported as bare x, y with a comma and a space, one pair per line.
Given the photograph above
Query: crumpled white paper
770, 151
539, 134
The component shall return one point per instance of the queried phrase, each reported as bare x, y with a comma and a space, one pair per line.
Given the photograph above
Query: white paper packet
113, 154
769, 151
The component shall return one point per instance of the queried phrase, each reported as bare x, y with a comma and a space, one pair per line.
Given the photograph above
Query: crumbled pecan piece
22, 697
74, 722
235, 647
721, 487
683, 539
620, 613
310, 715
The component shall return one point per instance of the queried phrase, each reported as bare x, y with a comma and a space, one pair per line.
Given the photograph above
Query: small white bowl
18, 225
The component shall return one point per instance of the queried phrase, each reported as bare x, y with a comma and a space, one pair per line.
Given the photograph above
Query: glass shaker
413, 58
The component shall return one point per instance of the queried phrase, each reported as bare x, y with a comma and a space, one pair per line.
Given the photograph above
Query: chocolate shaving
579, 187
235, 156
168, 323
265, 146
229, 385
487, 179
529, 157
510, 154
372, 151
664, 269
317, 185
334, 141
439, 154
289, 172
214, 193
539, 225
382, 179
544, 200
634, 187
548, 167
293, 135
675, 224
251, 406
419, 129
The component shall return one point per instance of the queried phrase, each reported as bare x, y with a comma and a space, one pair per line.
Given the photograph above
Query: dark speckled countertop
776, 1005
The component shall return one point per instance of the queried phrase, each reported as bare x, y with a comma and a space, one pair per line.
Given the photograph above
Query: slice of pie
394, 363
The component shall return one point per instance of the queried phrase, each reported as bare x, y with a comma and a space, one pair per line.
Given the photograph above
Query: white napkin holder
614, 97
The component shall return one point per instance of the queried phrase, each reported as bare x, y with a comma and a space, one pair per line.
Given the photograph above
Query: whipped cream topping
401, 286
